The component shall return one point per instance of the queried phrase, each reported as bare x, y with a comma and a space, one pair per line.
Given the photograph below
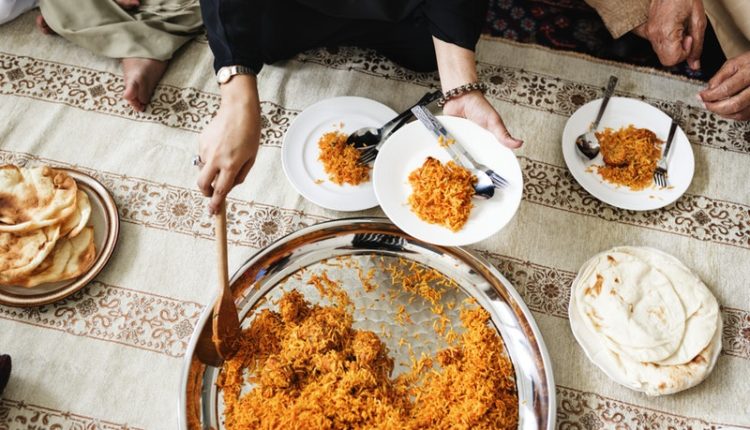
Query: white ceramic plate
407, 149
299, 152
621, 112
106, 223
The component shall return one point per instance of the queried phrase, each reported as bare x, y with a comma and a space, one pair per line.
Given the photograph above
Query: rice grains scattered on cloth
630, 156
340, 161
311, 369
441, 193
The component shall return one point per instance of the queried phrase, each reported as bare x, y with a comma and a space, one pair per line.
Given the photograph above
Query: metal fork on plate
487, 179
660, 174
369, 139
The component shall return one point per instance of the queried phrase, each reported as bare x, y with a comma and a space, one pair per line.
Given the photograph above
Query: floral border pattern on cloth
578, 409
97, 91
190, 109
18, 414
183, 210
120, 315
540, 92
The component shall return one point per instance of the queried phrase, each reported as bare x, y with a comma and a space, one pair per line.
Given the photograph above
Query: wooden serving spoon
219, 340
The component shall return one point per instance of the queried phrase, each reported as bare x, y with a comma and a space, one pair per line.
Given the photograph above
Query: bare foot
128, 4
141, 77
41, 24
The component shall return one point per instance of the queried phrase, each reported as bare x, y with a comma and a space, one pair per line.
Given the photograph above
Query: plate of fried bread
58, 229
646, 320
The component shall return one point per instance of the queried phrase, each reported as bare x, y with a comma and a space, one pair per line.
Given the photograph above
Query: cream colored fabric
731, 22
113, 354
621, 16
156, 29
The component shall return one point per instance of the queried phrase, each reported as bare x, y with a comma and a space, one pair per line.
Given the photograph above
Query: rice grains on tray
441, 193
340, 161
311, 369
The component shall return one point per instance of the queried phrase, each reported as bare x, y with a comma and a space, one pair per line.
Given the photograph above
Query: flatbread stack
44, 235
646, 320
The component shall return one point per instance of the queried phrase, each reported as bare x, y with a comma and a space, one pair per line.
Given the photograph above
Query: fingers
727, 88
743, 115
697, 30
669, 46
732, 106
206, 179
730, 68
222, 185
497, 127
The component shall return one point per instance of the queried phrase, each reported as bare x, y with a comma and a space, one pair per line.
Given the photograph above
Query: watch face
223, 75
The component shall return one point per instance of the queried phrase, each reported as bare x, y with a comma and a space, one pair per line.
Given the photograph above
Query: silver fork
369, 139
660, 174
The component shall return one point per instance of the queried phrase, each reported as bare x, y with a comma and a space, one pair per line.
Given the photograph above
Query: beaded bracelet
461, 90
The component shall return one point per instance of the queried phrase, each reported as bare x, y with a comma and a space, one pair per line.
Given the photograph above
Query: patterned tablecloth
110, 356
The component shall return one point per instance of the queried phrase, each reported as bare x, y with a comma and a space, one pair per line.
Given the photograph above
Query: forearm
456, 65
241, 92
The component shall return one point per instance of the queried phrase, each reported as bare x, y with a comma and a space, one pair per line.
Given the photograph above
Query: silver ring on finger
198, 162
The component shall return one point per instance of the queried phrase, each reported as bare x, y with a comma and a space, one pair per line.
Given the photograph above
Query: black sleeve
456, 21
233, 28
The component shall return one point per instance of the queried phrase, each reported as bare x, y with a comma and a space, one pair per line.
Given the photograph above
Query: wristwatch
227, 72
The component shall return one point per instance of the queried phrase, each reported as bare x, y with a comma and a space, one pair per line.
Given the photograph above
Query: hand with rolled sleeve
728, 92
675, 29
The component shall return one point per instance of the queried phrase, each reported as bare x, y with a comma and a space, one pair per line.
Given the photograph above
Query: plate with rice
317, 161
429, 196
632, 135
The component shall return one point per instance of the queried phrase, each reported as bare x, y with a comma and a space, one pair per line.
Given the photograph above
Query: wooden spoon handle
221, 246
226, 324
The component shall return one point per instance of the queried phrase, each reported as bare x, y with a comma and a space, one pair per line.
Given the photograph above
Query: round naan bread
652, 379
73, 224
21, 253
31, 198
633, 306
71, 257
701, 307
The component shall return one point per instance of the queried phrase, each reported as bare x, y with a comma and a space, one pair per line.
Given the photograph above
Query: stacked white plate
646, 320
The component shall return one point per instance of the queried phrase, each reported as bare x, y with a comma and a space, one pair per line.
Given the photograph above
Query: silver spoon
367, 137
587, 143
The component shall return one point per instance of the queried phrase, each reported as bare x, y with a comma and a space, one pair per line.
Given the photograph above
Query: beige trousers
154, 30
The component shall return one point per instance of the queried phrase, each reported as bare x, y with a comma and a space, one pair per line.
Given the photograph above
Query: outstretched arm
229, 144
457, 66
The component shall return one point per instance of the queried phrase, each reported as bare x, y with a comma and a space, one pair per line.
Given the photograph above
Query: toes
41, 24
131, 95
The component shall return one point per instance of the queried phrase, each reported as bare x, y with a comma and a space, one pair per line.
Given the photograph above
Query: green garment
154, 30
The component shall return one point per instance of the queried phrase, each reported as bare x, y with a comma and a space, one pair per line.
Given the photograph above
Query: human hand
475, 107
728, 92
229, 144
675, 29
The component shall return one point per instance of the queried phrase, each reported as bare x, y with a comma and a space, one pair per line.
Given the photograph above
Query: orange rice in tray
441, 193
312, 369
630, 156
340, 161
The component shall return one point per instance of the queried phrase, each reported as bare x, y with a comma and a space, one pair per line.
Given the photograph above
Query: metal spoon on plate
587, 144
